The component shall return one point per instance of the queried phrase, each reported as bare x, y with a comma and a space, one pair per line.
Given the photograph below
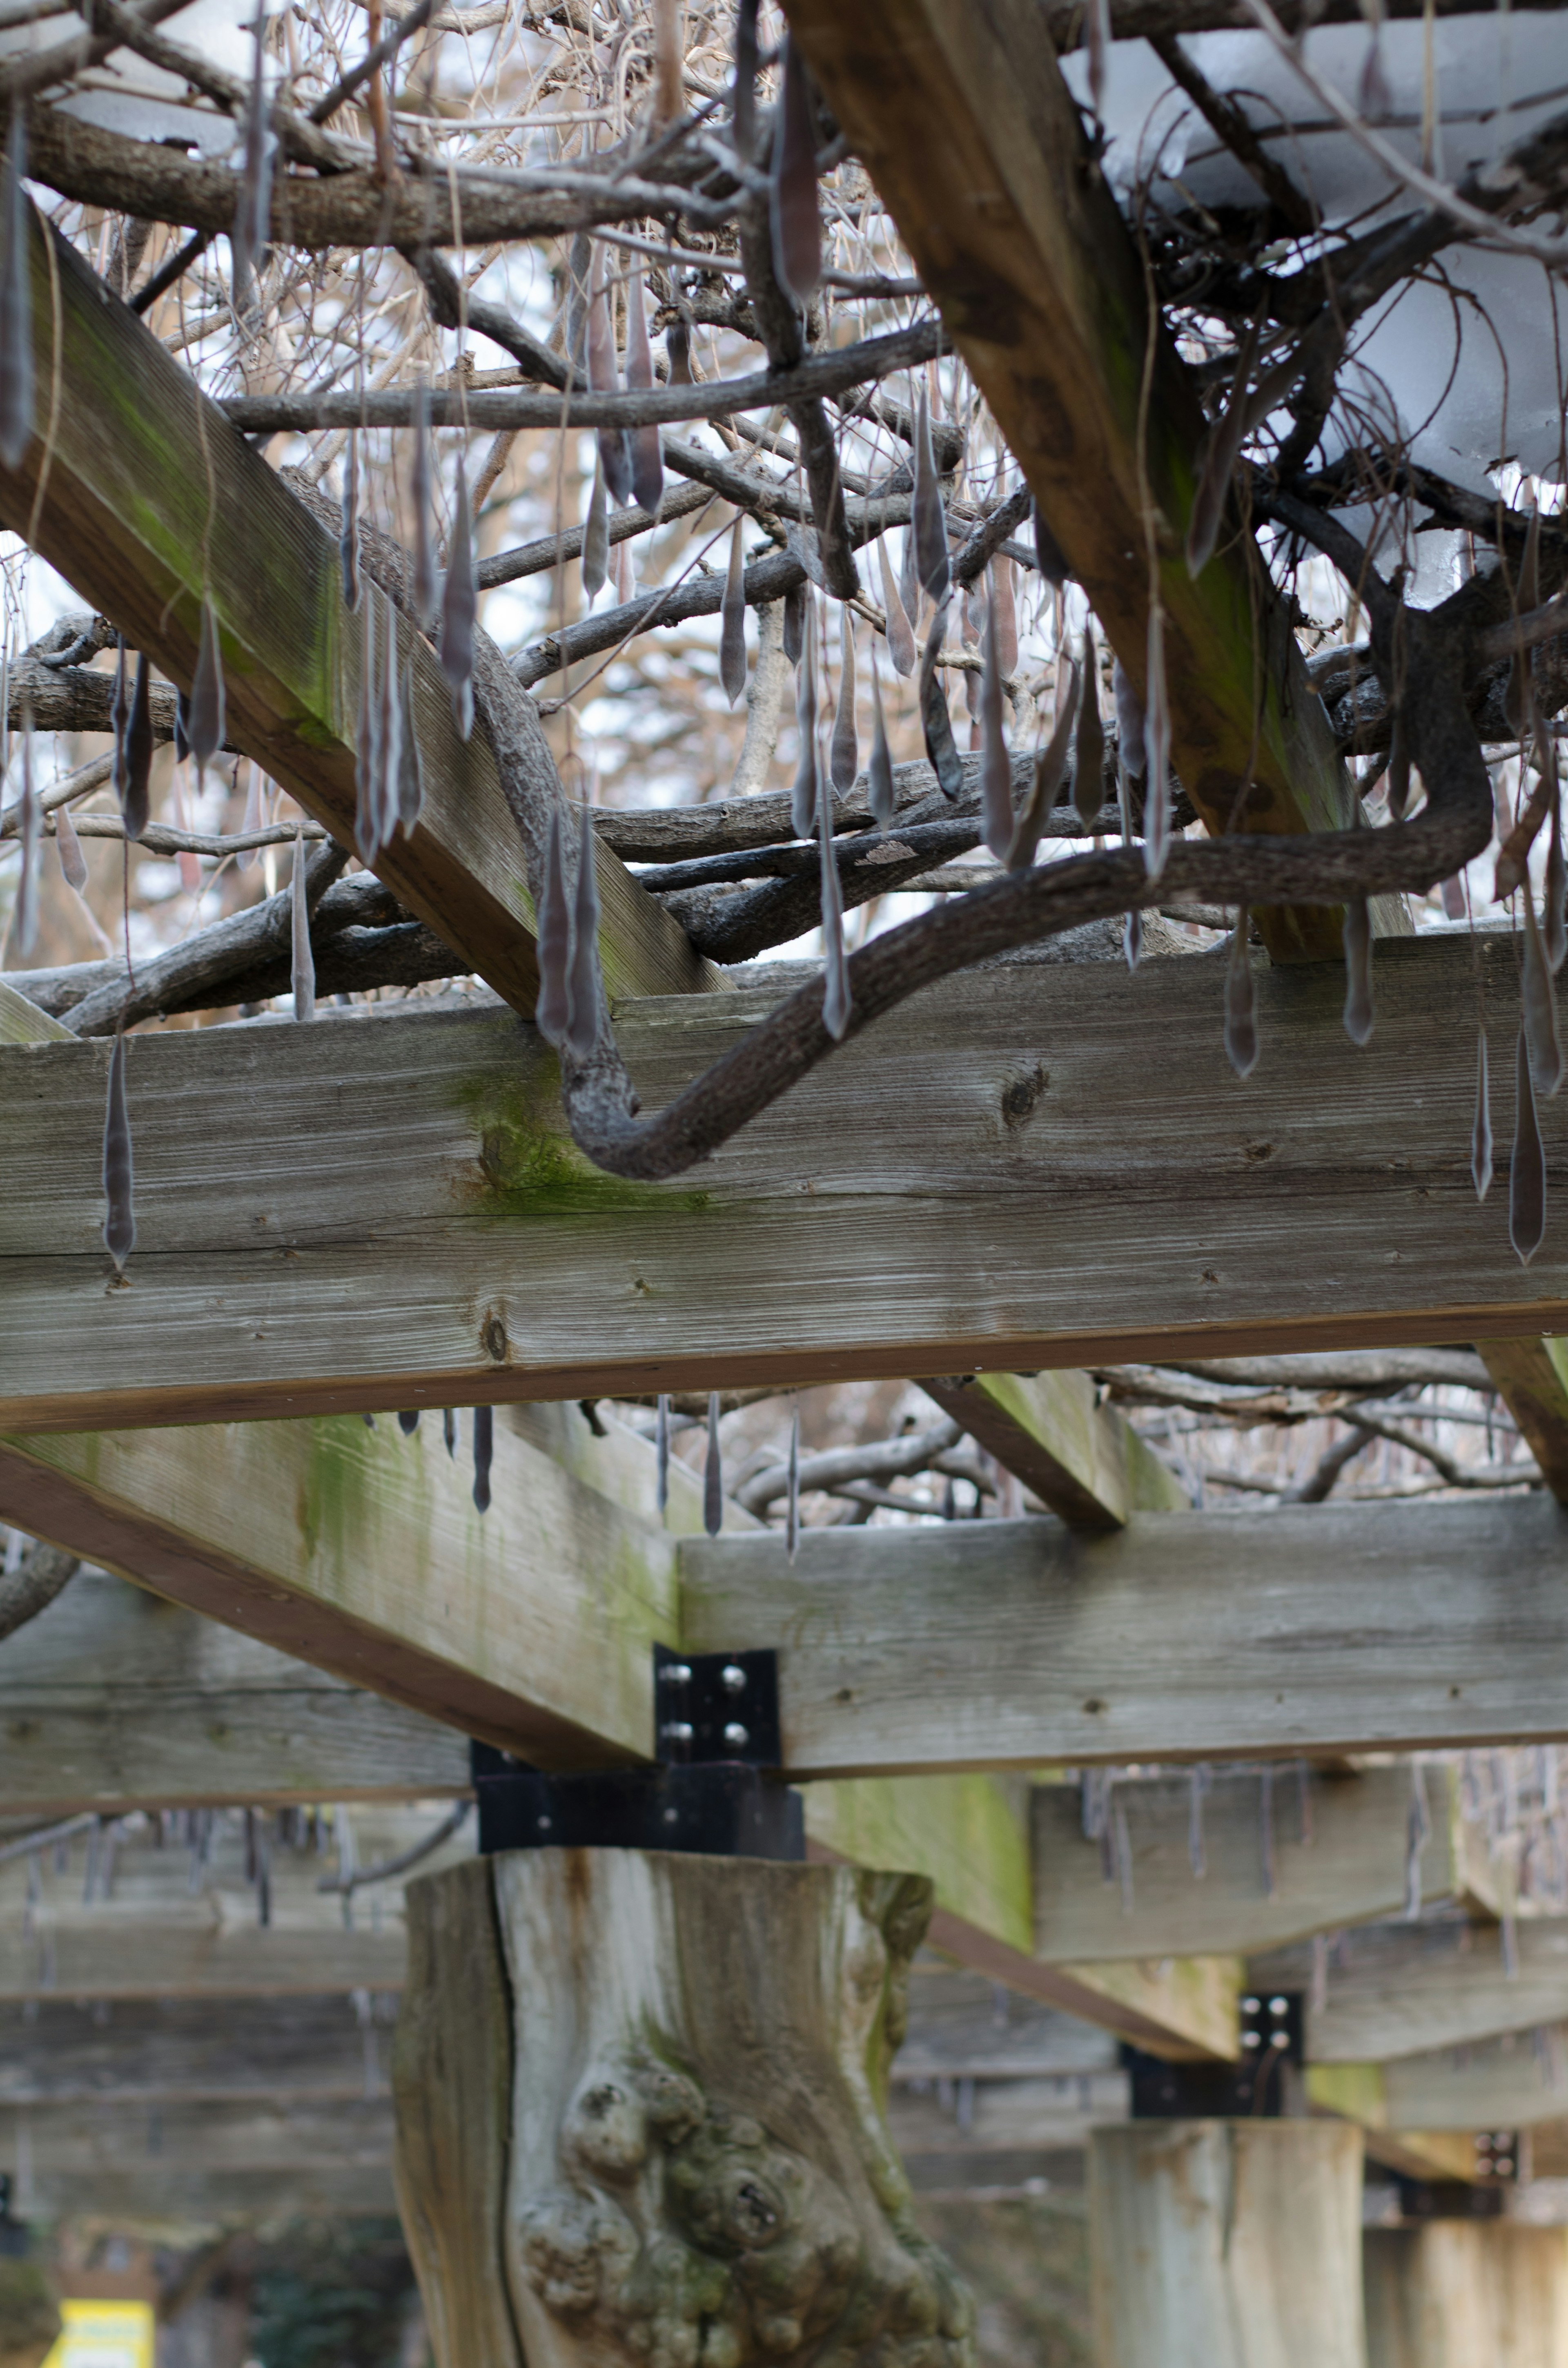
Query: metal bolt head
677, 1730
732, 1677
736, 1736
675, 1673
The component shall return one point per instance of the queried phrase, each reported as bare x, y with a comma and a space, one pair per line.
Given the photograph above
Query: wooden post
1461, 2291
1227, 2245
640, 2116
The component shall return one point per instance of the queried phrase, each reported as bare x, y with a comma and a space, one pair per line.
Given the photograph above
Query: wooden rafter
961, 115
146, 499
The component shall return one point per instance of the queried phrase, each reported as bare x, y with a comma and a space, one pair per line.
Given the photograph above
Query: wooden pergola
639, 2093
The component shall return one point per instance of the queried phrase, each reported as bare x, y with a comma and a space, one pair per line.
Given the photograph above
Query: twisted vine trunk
640, 2116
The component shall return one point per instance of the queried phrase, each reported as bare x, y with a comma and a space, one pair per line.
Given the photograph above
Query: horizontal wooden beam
192, 2051
152, 500
1284, 1852
1304, 1628
185, 2205
1399, 1990
1510, 2082
113, 1698
386, 1212
1084, 1461
361, 1550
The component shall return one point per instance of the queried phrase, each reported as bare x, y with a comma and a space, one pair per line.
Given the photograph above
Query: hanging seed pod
1527, 1169
1097, 34
421, 475
1157, 751
614, 449
995, 765
899, 634
204, 720
583, 993
1399, 766
794, 623
450, 1428
1513, 856
459, 610
1241, 1002
252, 214
1481, 1133
803, 796
119, 1183
647, 445
743, 112
1554, 896
1358, 937
182, 744
797, 225
368, 753
733, 618
303, 969
883, 794
714, 1473
552, 1010
136, 804
1197, 1856
349, 536
677, 346
836, 996
1540, 1010
625, 582
72, 862
934, 721
596, 540
1006, 597
408, 1423
929, 519
909, 590
1130, 753
792, 1499
1049, 553
844, 749
1133, 937
119, 724
32, 821
484, 1454
15, 304
662, 1454
1050, 771
1089, 748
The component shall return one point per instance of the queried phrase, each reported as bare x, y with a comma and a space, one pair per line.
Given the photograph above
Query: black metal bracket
1253, 2089
1450, 2199
711, 1707
722, 1808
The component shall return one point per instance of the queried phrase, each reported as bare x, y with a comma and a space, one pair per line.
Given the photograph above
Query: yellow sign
104, 2334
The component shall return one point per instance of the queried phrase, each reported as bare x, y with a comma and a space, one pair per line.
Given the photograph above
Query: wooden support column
1458, 2293
1532, 1377
640, 2103
1227, 2245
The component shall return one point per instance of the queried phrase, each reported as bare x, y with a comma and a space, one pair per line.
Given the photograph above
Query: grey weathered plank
1337, 1849
1047, 1164
1328, 1628
113, 1698
1401, 1989
148, 2051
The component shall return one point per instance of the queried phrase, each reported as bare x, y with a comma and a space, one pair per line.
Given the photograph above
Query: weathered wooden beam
1284, 1853
182, 2206
148, 501
970, 1835
362, 1552
961, 117
140, 2052
1532, 1378
67, 2142
386, 1211
1305, 1629
1506, 2083
1403, 1989
114, 1700
1084, 1461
